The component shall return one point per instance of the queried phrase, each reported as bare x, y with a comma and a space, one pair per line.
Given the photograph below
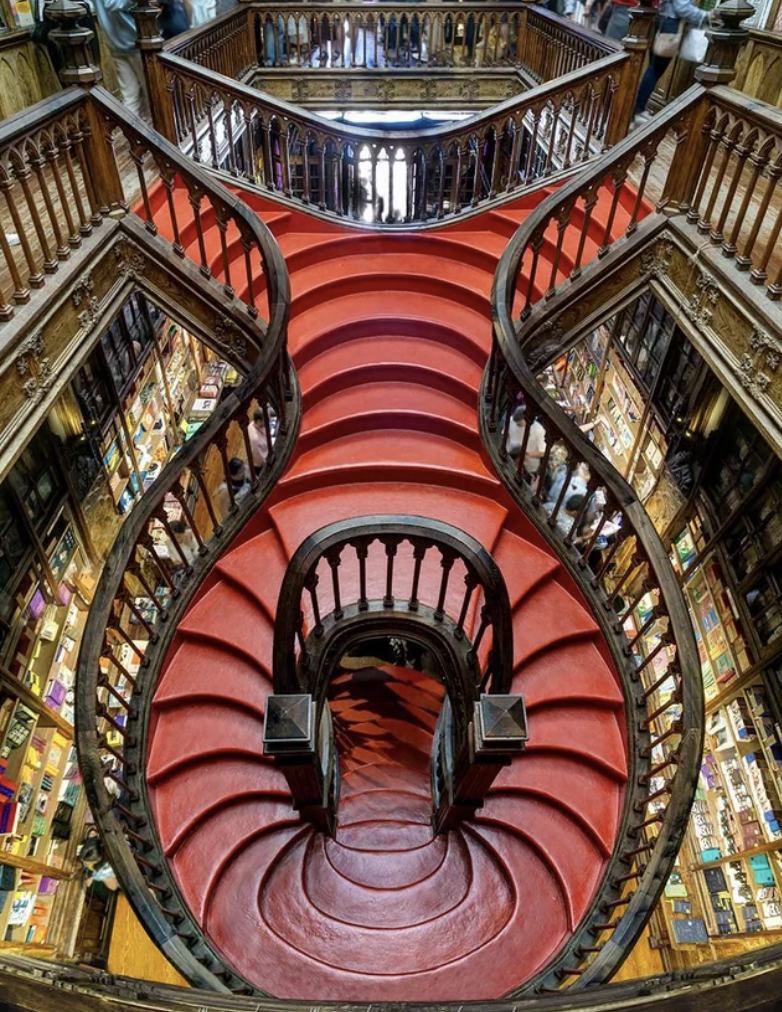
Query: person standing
259, 444
671, 13
119, 27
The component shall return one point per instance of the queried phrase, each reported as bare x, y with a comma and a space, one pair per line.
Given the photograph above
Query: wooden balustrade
391, 35
613, 547
606, 536
420, 560
385, 177
554, 46
398, 576
60, 178
712, 158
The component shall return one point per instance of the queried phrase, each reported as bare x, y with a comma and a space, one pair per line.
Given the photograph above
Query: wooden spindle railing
606, 538
389, 35
207, 491
393, 177
62, 173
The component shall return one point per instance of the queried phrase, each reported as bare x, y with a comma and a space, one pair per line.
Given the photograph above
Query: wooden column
725, 41
150, 42
637, 43
719, 67
74, 43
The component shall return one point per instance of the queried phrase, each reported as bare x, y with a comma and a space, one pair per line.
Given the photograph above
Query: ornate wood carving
312, 89
34, 368
755, 365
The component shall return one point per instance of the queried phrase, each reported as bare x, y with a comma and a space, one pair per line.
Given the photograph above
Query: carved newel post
725, 41
150, 42
636, 43
74, 43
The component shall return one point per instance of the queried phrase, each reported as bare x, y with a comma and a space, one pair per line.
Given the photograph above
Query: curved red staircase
389, 334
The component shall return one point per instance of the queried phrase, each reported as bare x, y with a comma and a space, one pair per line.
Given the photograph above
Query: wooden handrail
325, 547
354, 174
392, 36
631, 576
174, 535
59, 172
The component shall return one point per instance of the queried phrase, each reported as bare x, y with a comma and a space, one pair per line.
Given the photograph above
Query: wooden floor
132, 953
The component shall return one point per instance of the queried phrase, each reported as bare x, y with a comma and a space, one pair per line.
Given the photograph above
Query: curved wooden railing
627, 573
60, 180
410, 577
422, 562
391, 36
749, 981
394, 177
174, 535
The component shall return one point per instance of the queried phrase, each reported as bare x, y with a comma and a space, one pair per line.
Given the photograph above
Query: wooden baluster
563, 221
362, 551
212, 134
311, 586
322, 181
228, 119
715, 135
774, 290
590, 199
247, 246
195, 197
138, 155
536, 244
532, 146
648, 157
85, 224
197, 468
742, 153
470, 583
6, 308
391, 546
221, 218
23, 171
251, 162
513, 170
285, 160
35, 277
21, 292
334, 559
618, 180
744, 260
168, 178
191, 112
727, 144
446, 562
267, 427
306, 196
477, 189
419, 551
456, 200
52, 156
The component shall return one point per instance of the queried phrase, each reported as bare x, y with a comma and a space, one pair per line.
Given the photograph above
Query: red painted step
389, 335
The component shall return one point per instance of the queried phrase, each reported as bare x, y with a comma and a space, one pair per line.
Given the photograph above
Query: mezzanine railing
390, 36
201, 87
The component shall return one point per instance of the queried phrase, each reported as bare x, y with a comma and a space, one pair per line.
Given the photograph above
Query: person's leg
132, 86
655, 70
618, 23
